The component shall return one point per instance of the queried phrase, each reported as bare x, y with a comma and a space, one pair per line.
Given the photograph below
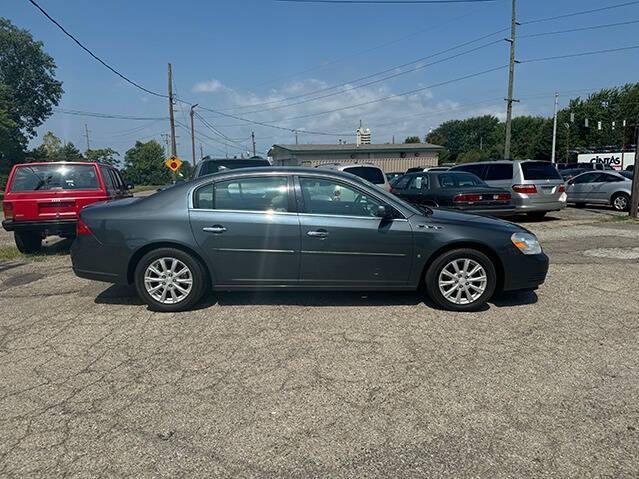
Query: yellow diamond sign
173, 163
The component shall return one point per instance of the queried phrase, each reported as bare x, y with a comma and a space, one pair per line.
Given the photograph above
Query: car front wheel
461, 280
170, 280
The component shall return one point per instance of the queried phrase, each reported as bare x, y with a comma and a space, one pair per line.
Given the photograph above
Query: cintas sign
618, 161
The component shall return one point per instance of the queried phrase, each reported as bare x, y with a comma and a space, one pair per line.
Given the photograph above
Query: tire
28, 242
435, 273
620, 202
172, 286
537, 215
580, 205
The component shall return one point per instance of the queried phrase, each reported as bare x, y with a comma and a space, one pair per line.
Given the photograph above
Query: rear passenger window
419, 183
499, 171
477, 170
245, 194
108, 179
540, 170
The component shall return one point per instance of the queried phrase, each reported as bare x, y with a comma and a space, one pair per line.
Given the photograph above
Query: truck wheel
28, 242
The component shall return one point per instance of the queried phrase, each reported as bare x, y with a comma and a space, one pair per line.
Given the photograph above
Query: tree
28, 92
51, 145
106, 156
412, 139
144, 164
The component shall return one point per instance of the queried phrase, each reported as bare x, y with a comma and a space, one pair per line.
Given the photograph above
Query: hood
443, 215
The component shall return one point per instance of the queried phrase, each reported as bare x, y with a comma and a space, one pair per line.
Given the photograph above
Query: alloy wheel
462, 281
168, 280
620, 203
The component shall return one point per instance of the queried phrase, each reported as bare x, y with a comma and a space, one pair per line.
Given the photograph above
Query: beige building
389, 157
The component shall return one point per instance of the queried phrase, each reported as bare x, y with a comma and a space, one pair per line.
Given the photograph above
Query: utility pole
553, 156
634, 199
201, 151
193, 132
253, 139
171, 118
511, 80
296, 141
86, 134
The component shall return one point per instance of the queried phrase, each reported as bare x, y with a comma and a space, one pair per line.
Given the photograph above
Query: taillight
562, 188
466, 198
81, 228
7, 208
525, 189
503, 197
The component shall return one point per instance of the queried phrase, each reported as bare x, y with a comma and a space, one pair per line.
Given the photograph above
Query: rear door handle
217, 229
318, 234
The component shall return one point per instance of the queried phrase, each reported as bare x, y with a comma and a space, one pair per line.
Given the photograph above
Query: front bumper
524, 272
50, 227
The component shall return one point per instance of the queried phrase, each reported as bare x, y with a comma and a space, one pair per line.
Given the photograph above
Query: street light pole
553, 156
193, 133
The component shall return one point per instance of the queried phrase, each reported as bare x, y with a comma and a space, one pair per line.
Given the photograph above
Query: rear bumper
525, 272
92, 260
527, 205
66, 227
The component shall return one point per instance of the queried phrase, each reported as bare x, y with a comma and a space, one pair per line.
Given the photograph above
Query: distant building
389, 157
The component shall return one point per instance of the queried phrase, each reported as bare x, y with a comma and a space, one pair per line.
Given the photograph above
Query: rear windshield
540, 170
370, 173
213, 166
54, 177
459, 180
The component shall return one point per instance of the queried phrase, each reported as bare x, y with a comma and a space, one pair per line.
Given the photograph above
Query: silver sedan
600, 187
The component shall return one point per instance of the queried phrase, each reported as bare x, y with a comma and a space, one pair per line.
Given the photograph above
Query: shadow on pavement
126, 295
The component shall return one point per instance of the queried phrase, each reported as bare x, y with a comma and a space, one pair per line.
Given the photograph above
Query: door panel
344, 244
260, 245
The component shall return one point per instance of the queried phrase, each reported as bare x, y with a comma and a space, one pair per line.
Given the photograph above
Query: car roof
72, 163
335, 166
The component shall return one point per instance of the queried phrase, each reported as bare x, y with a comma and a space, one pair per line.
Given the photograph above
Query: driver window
327, 197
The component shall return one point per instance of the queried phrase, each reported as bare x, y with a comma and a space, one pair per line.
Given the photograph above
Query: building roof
352, 148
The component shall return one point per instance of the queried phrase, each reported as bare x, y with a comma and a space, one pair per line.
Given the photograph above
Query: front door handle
217, 229
318, 234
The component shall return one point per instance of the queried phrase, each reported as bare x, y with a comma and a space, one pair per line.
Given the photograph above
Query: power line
106, 115
582, 54
580, 29
583, 12
387, 70
386, 2
125, 78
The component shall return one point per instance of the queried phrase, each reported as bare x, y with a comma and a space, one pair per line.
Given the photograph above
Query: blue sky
230, 54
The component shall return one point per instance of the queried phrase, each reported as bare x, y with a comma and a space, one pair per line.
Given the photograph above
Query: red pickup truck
45, 198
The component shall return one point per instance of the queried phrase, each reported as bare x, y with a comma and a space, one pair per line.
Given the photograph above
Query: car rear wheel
461, 280
621, 202
28, 242
170, 280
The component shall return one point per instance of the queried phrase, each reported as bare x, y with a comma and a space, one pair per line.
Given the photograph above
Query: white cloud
209, 86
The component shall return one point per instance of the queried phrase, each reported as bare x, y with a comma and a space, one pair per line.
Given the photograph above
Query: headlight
526, 243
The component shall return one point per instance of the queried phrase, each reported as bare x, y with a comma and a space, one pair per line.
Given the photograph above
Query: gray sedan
602, 188
299, 228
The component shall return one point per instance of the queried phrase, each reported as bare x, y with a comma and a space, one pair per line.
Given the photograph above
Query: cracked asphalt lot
328, 384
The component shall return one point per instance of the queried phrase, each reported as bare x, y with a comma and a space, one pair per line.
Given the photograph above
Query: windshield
459, 180
54, 177
539, 170
370, 173
213, 166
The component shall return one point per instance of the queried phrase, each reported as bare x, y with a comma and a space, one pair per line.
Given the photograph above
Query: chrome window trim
264, 212
353, 217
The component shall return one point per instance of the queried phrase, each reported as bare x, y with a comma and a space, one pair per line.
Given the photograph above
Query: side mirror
571, 182
384, 212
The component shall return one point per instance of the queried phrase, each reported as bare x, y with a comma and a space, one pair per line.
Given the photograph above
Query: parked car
436, 168
537, 187
600, 187
459, 190
299, 228
208, 166
571, 173
627, 174
586, 166
373, 174
415, 169
44, 199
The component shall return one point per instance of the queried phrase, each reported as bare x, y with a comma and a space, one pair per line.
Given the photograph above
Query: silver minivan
373, 174
537, 187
